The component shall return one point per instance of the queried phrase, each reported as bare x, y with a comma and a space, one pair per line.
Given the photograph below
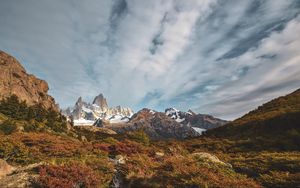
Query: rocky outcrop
15, 80
157, 125
20, 177
207, 157
5, 168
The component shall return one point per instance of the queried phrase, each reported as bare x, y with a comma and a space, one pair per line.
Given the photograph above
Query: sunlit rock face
14, 80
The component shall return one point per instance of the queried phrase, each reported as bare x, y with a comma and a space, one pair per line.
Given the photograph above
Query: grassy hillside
48, 154
263, 144
273, 126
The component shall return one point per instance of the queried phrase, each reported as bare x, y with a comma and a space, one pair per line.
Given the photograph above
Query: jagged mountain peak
79, 101
100, 101
191, 112
86, 113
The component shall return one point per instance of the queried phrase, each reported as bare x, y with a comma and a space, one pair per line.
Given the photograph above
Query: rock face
15, 80
85, 113
157, 125
101, 102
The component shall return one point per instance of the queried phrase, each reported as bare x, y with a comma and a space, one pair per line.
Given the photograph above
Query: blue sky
222, 57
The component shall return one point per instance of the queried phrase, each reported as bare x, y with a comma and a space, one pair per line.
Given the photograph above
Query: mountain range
84, 113
159, 125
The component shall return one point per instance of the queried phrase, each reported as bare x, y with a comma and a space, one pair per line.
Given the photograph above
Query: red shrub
124, 148
102, 146
51, 145
67, 176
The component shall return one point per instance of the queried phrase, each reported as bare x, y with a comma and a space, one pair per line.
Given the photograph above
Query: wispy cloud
219, 57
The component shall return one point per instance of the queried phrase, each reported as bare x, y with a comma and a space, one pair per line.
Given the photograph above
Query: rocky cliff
15, 80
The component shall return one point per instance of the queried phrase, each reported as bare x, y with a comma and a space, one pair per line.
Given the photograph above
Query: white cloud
213, 56
268, 77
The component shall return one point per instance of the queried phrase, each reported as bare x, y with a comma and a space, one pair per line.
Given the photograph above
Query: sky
218, 57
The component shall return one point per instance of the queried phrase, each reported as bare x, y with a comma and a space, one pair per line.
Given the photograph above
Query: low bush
141, 137
8, 127
18, 110
67, 176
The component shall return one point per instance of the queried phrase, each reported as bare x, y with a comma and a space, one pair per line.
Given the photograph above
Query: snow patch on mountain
83, 122
118, 119
175, 114
199, 130
192, 119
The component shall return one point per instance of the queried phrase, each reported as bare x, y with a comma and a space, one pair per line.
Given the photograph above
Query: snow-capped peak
97, 110
175, 114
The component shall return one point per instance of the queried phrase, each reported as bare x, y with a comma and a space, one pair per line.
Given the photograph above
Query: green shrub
110, 140
15, 152
8, 127
141, 137
18, 110
31, 127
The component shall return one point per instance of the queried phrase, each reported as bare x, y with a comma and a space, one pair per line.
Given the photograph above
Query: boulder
120, 159
5, 168
207, 157
159, 154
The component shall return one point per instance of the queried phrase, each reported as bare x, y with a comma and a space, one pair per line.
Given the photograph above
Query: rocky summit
101, 102
198, 121
14, 80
